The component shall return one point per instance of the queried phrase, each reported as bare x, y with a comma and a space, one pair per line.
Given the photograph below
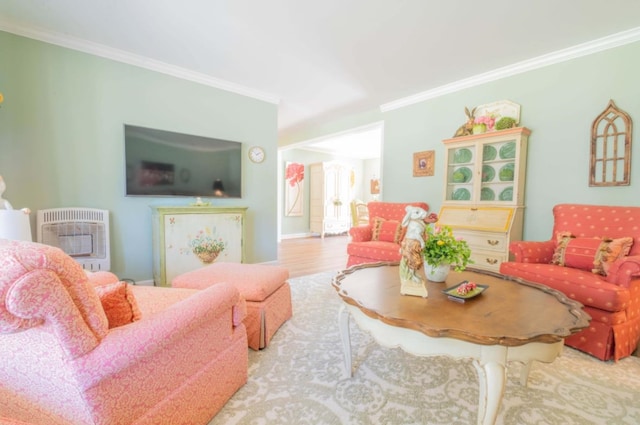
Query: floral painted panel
293, 189
197, 240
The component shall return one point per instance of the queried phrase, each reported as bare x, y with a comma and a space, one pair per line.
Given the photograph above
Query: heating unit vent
83, 233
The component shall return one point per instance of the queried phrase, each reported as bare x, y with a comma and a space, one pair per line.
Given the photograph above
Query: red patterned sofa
380, 239
80, 349
593, 257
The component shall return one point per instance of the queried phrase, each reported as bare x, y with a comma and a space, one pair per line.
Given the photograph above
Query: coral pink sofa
380, 239
149, 356
604, 277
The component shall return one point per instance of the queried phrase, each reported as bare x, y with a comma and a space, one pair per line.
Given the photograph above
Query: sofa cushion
255, 282
591, 254
375, 250
584, 286
119, 303
387, 230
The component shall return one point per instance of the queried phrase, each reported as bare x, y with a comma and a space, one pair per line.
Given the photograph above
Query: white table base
489, 360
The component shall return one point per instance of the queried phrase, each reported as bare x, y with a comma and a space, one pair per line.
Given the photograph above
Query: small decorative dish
464, 290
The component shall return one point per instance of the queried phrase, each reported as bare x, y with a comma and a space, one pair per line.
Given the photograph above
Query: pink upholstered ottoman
264, 288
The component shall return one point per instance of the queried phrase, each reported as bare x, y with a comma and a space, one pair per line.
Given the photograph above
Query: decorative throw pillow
118, 303
387, 230
612, 250
562, 239
592, 254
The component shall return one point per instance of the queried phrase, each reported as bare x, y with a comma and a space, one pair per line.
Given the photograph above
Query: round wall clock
256, 154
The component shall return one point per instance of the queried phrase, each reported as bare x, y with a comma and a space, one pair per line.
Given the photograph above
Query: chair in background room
380, 238
359, 213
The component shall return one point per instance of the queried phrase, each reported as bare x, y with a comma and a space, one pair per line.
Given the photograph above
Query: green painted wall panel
62, 141
559, 104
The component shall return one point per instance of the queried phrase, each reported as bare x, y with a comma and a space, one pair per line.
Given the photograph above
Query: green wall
559, 104
62, 142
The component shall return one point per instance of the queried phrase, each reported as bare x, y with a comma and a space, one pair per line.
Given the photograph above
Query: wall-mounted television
164, 163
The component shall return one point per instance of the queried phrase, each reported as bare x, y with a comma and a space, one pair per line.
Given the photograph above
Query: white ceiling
361, 143
319, 60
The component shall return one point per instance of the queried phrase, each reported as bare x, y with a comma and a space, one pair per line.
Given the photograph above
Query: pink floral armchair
69, 358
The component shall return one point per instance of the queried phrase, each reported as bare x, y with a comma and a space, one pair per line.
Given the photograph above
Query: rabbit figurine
466, 128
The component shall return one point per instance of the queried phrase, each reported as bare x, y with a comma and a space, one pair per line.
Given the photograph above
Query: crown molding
133, 59
605, 43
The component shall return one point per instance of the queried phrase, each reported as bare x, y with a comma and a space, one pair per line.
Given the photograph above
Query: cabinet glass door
460, 173
498, 171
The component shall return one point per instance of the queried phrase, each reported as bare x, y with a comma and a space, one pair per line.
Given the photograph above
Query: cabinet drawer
486, 260
484, 241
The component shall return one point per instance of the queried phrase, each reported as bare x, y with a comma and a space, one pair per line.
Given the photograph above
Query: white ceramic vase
437, 273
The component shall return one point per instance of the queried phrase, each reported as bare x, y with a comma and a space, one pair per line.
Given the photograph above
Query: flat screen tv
164, 163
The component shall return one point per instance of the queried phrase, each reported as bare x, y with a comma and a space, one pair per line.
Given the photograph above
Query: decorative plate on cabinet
487, 194
506, 172
461, 175
489, 153
488, 173
462, 156
461, 194
508, 150
507, 194
499, 109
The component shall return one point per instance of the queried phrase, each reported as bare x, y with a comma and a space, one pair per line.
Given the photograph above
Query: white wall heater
83, 233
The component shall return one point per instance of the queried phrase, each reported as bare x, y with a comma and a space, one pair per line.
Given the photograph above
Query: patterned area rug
299, 379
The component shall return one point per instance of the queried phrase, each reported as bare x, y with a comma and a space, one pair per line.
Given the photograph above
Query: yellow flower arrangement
441, 247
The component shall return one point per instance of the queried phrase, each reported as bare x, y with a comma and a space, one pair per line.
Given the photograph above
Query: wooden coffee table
512, 320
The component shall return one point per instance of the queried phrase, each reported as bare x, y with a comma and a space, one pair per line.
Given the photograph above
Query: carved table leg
491, 370
524, 373
343, 324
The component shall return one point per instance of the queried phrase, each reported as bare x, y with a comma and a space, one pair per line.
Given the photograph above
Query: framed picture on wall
423, 163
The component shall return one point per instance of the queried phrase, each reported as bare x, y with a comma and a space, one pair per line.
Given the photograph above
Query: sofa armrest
624, 270
361, 233
124, 347
532, 251
101, 278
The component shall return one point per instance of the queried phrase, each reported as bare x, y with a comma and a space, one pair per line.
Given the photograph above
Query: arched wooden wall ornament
611, 148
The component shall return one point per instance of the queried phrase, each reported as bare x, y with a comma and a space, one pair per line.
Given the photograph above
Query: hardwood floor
303, 256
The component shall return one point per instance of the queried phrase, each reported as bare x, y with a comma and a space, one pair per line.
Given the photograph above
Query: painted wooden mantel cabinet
187, 238
484, 192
